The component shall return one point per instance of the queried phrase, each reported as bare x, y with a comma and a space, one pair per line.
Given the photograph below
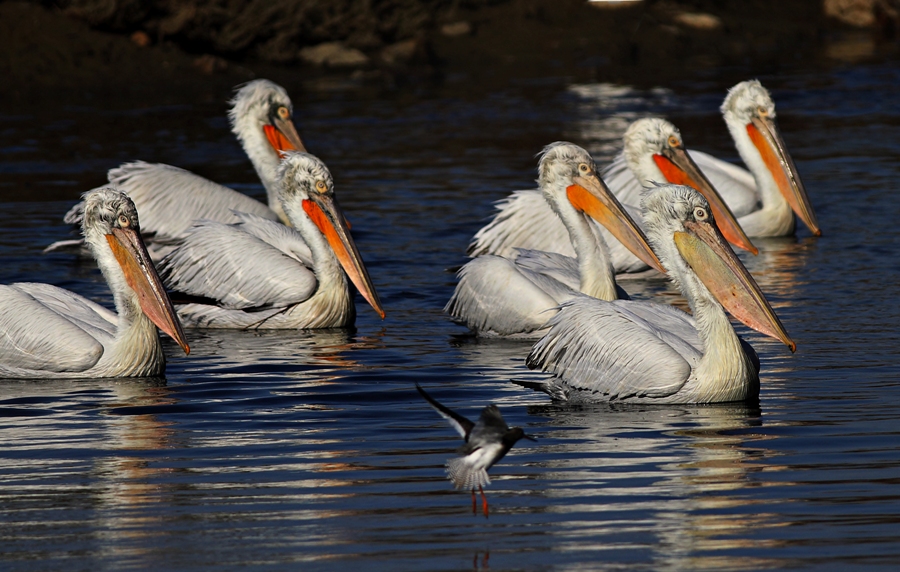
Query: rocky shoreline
90, 49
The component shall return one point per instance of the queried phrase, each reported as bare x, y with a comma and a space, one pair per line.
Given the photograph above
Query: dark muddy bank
163, 50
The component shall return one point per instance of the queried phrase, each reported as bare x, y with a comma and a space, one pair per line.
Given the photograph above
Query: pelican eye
284, 112
763, 112
674, 142
321, 186
123, 221
700, 213
584, 168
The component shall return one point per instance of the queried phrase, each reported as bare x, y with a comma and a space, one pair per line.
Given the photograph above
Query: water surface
312, 450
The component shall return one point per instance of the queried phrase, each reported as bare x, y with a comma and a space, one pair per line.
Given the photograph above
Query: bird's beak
529, 437
327, 216
140, 274
283, 136
767, 139
680, 169
704, 248
590, 195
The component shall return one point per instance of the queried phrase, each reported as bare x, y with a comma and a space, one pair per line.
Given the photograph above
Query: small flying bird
487, 441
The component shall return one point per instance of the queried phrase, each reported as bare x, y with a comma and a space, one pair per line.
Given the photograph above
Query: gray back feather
603, 348
236, 268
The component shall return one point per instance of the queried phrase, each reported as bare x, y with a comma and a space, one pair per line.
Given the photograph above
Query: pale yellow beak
590, 195
327, 216
680, 169
705, 250
767, 139
140, 274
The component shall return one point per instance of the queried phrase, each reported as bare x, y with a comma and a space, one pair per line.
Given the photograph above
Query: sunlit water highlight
313, 451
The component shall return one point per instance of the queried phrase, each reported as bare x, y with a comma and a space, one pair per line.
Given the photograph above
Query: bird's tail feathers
465, 476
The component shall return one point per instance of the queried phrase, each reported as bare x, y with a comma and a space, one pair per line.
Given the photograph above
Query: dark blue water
297, 450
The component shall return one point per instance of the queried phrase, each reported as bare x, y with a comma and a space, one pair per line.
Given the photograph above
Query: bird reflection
668, 471
285, 350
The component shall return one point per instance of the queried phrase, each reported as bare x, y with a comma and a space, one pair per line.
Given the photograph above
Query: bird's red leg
484, 505
474, 506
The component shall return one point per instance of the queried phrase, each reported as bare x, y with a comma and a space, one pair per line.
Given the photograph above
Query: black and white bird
487, 441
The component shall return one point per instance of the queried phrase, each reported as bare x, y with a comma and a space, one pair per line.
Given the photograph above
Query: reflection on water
312, 450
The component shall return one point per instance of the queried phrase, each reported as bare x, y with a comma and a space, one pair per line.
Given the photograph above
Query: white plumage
764, 199
517, 295
46, 331
651, 353
171, 199
257, 273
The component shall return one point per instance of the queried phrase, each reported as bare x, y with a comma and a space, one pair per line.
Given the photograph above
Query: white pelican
487, 441
51, 332
761, 199
765, 198
171, 199
502, 296
651, 353
653, 153
261, 274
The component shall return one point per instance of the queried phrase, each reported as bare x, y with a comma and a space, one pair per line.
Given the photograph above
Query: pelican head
682, 228
749, 107
262, 106
307, 195
261, 117
653, 146
111, 228
567, 173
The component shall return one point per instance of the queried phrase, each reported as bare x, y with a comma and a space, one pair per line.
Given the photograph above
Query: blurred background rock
140, 45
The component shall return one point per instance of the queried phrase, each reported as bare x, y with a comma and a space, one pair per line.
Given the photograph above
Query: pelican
504, 296
653, 153
766, 198
763, 199
640, 352
259, 274
171, 199
51, 332
487, 441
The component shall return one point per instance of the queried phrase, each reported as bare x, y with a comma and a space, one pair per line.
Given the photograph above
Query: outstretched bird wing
462, 425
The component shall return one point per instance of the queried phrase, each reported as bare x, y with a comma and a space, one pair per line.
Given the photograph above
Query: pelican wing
526, 221
237, 269
495, 296
170, 199
610, 349
559, 267
45, 328
735, 185
276, 234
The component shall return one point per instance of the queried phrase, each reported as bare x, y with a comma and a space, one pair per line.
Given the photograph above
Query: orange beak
283, 136
590, 195
140, 274
678, 168
766, 138
704, 249
327, 216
